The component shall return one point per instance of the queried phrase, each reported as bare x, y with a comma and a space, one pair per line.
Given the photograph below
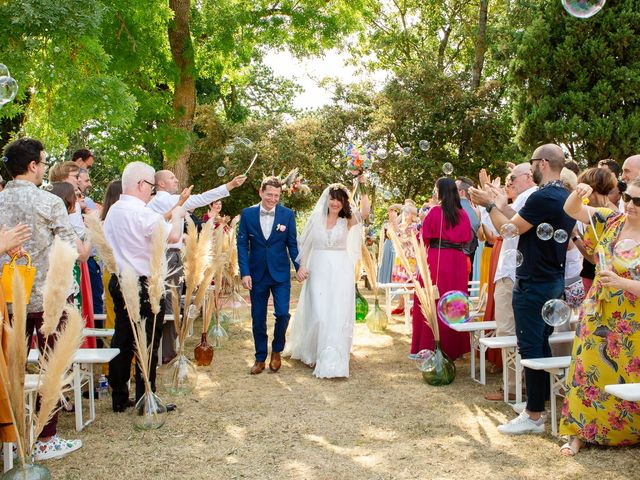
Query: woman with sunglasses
606, 349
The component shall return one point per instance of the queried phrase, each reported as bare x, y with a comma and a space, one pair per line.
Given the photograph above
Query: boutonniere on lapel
280, 227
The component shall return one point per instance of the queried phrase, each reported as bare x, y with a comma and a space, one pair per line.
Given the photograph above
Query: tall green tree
576, 81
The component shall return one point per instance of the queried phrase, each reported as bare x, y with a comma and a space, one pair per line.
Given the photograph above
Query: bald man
540, 277
167, 187
631, 168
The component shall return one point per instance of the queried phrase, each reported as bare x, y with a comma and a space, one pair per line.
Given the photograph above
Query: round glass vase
203, 353
28, 471
150, 412
180, 377
362, 307
438, 369
376, 319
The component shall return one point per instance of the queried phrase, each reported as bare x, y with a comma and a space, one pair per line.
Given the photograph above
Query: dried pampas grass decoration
17, 353
98, 240
57, 284
54, 365
158, 267
369, 265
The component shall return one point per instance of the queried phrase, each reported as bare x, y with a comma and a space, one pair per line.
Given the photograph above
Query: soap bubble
396, 192
382, 153
447, 168
560, 236
329, 360
556, 312
406, 151
238, 140
513, 258
387, 195
454, 307
424, 145
8, 89
583, 8
626, 254
229, 149
423, 358
221, 171
4, 71
508, 231
247, 142
544, 231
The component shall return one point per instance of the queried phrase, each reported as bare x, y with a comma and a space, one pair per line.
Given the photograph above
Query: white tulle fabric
321, 332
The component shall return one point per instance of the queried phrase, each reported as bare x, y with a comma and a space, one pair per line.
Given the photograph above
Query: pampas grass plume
57, 284
158, 266
17, 352
96, 235
55, 366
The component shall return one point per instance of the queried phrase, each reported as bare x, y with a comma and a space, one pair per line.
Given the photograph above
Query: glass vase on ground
362, 307
181, 376
438, 369
203, 353
150, 413
376, 319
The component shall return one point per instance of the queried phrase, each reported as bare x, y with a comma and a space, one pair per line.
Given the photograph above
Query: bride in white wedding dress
329, 248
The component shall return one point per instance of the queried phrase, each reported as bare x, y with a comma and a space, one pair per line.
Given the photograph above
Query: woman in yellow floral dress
607, 345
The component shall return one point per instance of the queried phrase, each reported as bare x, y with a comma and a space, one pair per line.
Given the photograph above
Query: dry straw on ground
382, 423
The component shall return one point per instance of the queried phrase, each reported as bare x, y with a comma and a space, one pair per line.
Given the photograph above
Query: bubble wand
251, 164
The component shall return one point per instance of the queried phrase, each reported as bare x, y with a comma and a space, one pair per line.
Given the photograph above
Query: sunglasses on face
626, 198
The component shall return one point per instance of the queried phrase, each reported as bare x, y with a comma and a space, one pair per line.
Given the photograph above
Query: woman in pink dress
445, 230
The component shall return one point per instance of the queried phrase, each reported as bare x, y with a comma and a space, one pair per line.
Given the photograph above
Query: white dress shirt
128, 227
266, 221
77, 222
165, 201
508, 270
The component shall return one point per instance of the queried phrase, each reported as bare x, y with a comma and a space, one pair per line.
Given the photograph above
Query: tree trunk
481, 45
184, 94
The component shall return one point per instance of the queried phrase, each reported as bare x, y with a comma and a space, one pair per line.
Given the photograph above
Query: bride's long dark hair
339, 194
449, 201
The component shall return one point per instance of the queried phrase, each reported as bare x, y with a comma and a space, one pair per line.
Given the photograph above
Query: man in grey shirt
45, 214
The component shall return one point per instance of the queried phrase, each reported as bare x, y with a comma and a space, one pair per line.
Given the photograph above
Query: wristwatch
490, 207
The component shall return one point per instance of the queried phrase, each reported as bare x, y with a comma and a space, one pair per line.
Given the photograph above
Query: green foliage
577, 82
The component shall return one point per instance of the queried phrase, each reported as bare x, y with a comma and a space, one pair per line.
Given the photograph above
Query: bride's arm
365, 208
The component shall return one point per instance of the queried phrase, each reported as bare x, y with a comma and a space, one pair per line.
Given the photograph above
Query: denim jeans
533, 333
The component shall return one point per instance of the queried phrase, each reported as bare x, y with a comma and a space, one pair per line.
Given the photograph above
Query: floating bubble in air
221, 171
382, 153
560, 236
247, 142
454, 307
556, 312
583, 8
447, 168
8, 89
423, 357
387, 195
513, 258
406, 151
229, 149
396, 192
508, 231
238, 141
424, 145
544, 231
4, 71
626, 254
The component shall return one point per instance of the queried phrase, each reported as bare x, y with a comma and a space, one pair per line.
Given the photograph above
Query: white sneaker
56, 447
522, 424
519, 407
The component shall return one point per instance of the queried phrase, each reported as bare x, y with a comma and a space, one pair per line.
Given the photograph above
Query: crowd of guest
470, 230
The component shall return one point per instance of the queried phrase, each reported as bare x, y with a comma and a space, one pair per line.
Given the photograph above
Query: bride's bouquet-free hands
302, 274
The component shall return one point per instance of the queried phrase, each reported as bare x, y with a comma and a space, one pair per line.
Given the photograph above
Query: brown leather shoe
275, 363
257, 368
499, 396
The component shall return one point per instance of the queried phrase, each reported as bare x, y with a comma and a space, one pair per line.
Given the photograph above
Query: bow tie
272, 213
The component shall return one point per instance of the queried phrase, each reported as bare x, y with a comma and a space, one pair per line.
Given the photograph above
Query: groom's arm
242, 243
292, 240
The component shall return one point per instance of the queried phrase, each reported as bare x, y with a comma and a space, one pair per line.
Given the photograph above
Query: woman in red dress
445, 230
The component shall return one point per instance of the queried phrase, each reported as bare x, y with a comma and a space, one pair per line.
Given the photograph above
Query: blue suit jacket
256, 255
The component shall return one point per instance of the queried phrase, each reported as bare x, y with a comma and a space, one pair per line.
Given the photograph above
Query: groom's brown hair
270, 181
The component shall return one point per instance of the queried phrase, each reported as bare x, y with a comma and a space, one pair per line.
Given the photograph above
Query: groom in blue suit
266, 243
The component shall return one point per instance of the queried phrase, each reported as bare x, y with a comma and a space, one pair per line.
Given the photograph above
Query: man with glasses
129, 228
45, 214
521, 183
539, 278
167, 186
